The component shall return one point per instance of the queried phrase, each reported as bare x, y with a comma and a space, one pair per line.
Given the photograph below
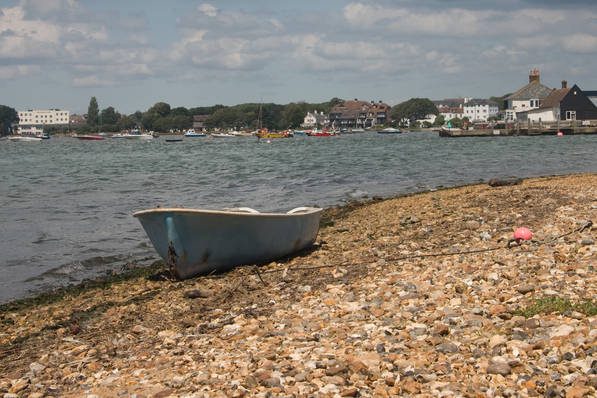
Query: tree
413, 109
439, 120
109, 116
335, 101
161, 108
126, 123
93, 113
500, 101
8, 117
455, 122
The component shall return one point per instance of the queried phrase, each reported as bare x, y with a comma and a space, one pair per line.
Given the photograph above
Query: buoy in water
560, 133
268, 141
522, 233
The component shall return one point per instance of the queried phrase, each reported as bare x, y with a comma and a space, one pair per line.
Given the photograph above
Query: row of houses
534, 102
348, 114
475, 109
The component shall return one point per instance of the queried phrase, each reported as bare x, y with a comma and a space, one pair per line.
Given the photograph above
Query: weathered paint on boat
195, 241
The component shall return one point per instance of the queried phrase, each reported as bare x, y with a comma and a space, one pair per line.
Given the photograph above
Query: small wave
357, 194
43, 238
76, 267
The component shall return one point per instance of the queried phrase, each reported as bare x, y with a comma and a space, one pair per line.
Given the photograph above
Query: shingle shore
372, 316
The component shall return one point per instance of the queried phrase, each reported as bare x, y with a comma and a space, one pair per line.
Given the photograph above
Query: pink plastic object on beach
522, 233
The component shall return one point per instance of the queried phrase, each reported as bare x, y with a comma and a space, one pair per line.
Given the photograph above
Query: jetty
524, 129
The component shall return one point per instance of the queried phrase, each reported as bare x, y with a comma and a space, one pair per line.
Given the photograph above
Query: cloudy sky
132, 54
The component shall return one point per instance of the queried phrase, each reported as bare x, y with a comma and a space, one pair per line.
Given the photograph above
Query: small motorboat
222, 135
320, 133
389, 130
195, 241
136, 135
174, 138
89, 137
191, 133
24, 138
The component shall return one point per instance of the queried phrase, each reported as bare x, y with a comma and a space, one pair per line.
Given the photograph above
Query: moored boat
222, 135
24, 138
89, 137
389, 130
320, 133
195, 241
191, 133
136, 135
265, 133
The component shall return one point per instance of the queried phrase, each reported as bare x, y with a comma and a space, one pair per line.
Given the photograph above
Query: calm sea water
66, 205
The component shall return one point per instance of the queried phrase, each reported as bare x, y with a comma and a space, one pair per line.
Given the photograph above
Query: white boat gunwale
233, 212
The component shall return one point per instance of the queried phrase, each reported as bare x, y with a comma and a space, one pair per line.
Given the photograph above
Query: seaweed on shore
87, 284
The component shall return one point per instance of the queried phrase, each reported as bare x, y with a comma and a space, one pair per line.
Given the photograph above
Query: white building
527, 98
314, 119
33, 121
451, 112
479, 110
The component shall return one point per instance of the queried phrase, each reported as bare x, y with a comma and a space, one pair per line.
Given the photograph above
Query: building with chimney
315, 119
562, 104
359, 114
527, 98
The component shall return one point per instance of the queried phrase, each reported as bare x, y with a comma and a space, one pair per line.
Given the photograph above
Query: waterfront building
450, 103
32, 122
480, 110
451, 112
77, 120
315, 119
562, 104
359, 114
199, 122
528, 97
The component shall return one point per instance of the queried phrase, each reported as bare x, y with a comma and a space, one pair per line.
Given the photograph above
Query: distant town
533, 103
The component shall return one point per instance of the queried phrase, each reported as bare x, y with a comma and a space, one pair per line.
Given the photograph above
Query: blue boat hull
202, 241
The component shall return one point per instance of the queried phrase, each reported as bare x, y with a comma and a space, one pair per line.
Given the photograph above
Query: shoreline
340, 210
413, 294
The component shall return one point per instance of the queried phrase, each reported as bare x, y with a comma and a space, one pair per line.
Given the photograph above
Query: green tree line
161, 117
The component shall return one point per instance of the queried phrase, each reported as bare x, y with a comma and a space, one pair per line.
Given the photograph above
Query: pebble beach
415, 296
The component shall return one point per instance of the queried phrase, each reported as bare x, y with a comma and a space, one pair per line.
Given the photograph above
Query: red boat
89, 137
319, 133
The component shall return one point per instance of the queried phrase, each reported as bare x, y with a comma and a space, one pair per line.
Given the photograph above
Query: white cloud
14, 71
14, 24
501, 51
580, 43
208, 10
366, 15
535, 42
93, 81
